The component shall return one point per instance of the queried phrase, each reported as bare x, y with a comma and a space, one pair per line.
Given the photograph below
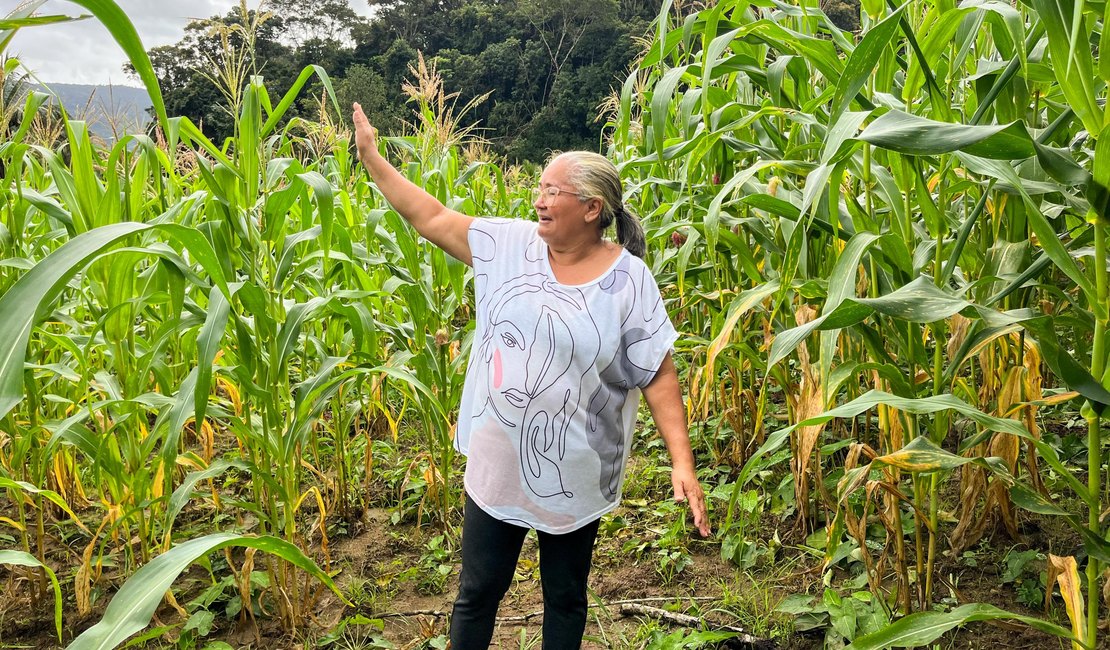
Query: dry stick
527, 617
685, 620
627, 608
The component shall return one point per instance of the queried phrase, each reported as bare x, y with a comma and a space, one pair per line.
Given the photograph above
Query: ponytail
630, 233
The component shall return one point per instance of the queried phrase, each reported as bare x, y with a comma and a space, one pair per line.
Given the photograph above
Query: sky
83, 52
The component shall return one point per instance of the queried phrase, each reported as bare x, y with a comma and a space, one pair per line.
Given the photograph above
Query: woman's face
563, 216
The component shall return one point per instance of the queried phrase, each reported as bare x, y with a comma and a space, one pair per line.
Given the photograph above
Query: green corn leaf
1047, 238
920, 136
712, 54
15, 20
248, 138
42, 284
1104, 46
922, 628
37, 290
663, 23
862, 62
728, 192
841, 131
1074, 374
19, 558
937, 42
134, 604
842, 285
920, 301
291, 96
661, 98
411, 379
31, 107
33, 21
937, 99
179, 126
1033, 501
169, 425
1073, 65
740, 306
291, 329
625, 117
289, 252
123, 31
184, 491
324, 194
208, 344
49, 207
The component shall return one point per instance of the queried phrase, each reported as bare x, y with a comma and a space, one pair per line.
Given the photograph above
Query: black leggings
490, 549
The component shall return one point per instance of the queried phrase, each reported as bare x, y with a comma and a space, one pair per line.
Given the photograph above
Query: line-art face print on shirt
549, 417
533, 361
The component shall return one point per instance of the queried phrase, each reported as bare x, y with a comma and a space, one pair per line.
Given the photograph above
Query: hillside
103, 107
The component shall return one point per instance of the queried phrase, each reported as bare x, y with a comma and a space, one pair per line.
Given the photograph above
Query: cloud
84, 52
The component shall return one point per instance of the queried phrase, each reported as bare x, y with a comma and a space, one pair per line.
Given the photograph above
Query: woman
570, 328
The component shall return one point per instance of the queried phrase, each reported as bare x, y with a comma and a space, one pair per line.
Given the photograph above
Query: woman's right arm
433, 220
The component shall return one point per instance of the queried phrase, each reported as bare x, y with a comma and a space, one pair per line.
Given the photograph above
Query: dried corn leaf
1063, 570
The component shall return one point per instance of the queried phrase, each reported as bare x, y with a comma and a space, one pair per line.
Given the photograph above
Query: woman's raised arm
433, 220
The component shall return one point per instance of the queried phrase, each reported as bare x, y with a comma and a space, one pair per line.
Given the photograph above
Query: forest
230, 371
531, 72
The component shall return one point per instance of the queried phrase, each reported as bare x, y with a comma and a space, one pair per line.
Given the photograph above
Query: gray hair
594, 177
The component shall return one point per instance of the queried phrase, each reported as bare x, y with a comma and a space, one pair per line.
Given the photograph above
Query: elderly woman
570, 329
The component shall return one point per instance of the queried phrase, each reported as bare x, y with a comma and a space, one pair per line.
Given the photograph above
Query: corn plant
891, 211
189, 314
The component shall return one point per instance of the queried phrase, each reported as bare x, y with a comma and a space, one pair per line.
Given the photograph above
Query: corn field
886, 252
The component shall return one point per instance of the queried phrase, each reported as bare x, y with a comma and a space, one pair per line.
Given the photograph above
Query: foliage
899, 211
545, 66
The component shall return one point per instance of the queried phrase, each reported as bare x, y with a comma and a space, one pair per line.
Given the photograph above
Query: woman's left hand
687, 488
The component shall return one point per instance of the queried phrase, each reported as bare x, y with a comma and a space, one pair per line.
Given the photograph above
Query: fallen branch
635, 607
418, 612
524, 618
685, 620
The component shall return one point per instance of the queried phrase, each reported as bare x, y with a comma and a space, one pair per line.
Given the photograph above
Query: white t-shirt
553, 384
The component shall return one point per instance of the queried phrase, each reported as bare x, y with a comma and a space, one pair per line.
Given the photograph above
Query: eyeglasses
549, 193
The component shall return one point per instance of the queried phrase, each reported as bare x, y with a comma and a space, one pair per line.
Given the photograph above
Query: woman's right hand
434, 221
366, 136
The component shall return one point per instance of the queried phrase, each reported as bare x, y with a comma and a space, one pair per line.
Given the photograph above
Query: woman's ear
593, 210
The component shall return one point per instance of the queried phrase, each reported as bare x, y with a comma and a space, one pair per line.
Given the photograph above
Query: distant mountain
104, 107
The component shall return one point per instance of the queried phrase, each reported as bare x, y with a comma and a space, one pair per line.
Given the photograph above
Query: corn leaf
1072, 64
184, 492
922, 628
123, 31
19, 558
33, 293
134, 604
208, 345
920, 136
862, 62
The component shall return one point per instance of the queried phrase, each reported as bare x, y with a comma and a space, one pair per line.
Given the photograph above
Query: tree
316, 20
364, 85
545, 64
561, 24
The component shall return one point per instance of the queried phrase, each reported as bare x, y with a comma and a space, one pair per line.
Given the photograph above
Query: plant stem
1094, 439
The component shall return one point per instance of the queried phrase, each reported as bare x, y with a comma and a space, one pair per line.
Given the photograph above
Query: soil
381, 567
409, 617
